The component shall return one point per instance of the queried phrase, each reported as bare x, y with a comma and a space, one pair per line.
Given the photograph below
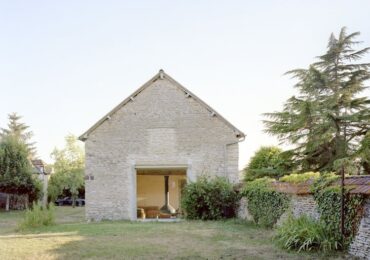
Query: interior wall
150, 190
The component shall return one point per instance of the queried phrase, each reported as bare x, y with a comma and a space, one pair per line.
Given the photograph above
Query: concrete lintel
161, 166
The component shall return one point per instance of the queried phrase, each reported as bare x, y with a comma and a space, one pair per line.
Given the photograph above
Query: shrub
209, 199
265, 204
296, 178
305, 234
38, 216
269, 161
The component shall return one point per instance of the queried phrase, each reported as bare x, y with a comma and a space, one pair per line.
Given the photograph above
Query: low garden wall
299, 205
302, 203
360, 245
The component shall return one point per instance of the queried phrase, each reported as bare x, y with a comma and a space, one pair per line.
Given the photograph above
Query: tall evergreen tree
328, 119
15, 168
19, 131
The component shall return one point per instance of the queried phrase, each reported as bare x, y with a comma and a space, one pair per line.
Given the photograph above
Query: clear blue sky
64, 64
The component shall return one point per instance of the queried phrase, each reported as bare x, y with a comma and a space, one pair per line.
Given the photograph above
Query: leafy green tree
364, 153
68, 169
328, 118
268, 161
19, 131
15, 168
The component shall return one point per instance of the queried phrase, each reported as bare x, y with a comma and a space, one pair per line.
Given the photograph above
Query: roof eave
86, 134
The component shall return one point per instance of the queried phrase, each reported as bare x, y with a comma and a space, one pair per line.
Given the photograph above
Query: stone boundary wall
305, 204
360, 245
299, 205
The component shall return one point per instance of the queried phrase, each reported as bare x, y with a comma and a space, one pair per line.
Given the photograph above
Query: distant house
140, 154
39, 168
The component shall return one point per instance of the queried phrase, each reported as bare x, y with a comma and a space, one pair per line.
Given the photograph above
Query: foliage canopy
268, 161
328, 118
19, 131
15, 169
68, 169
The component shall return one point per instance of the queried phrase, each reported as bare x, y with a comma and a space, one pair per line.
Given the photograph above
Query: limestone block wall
360, 245
160, 126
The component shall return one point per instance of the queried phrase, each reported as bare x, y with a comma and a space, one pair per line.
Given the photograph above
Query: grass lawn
72, 238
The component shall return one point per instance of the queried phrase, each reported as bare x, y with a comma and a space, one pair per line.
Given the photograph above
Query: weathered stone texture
360, 245
304, 205
243, 212
300, 205
161, 126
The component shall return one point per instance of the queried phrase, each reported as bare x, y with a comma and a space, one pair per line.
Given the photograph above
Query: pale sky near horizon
64, 64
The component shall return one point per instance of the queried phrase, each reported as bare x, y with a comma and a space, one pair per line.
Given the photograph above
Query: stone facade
360, 245
163, 125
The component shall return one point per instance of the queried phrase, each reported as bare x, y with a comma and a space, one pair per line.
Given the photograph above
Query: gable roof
160, 75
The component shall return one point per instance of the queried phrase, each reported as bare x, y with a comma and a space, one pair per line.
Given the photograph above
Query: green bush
305, 234
38, 216
209, 199
268, 161
296, 178
265, 204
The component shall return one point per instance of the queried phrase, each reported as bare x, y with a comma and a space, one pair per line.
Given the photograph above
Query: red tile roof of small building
357, 184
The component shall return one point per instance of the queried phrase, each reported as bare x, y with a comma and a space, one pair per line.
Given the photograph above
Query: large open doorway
159, 192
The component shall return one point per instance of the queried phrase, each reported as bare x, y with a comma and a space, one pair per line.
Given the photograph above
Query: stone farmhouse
140, 155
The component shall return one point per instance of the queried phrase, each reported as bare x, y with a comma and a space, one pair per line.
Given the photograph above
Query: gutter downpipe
241, 139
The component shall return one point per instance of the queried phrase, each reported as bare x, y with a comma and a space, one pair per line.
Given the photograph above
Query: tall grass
305, 234
38, 216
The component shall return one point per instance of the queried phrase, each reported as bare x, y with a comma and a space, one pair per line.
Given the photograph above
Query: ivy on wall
265, 204
328, 199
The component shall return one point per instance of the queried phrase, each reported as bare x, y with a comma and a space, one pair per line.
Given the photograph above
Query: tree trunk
73, 201
45, 191
7, 202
